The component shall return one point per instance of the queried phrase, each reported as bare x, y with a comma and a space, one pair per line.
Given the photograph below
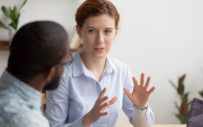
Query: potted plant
14, 15
201, 92
184, 107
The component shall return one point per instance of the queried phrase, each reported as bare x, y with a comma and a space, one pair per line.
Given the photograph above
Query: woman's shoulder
118, 64
68, 70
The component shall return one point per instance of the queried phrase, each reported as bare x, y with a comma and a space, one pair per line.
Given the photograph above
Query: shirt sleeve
29, 119
137, 117
76, 123
57, 105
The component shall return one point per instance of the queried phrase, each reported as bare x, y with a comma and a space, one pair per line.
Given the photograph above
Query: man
38, 53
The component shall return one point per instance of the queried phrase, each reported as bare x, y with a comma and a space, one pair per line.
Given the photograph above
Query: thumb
127, 92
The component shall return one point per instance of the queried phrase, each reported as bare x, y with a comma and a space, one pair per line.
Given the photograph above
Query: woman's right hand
98, 109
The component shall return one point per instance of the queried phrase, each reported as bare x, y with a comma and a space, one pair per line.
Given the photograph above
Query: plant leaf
186, 95
201, 93
177, 107
2, 25
12, 11
178, 116
6, 11
180, 89
172, 84
22, 5
15, 13
181, 79
14, 25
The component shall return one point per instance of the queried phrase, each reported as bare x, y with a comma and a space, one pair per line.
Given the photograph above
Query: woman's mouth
99, 49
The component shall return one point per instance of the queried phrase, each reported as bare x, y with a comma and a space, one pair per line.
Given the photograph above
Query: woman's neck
95, 65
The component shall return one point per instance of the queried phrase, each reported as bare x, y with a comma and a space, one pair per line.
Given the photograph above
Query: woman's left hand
140, 95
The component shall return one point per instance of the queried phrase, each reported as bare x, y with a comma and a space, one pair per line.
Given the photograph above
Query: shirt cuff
76, 123
142, 118
141, 108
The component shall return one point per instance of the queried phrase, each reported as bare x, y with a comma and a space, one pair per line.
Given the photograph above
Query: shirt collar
79, 67
26, 92
110, 66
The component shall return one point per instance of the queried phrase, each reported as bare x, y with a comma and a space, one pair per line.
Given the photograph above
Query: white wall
163, 38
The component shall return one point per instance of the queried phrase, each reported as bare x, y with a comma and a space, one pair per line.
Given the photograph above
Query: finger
127, 92
135, 84
142, 79
100, 101
101, 95
104, 113
135, 81
107, 104
104, 106
113, 100
151, 90
147, 83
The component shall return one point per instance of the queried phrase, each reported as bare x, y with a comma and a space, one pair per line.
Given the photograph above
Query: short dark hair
36, 47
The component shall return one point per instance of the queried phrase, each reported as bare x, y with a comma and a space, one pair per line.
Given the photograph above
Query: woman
95, 87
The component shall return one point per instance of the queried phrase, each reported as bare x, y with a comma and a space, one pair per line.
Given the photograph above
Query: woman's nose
100, 38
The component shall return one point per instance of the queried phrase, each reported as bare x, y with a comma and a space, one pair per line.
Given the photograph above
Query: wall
162, 38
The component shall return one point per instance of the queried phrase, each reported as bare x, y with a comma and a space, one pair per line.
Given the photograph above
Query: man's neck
35, 82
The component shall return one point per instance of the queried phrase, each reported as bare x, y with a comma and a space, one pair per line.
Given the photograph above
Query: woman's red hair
95, 8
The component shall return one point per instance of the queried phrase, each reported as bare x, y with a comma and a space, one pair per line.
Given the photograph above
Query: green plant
13, 14
183, 108
201, 92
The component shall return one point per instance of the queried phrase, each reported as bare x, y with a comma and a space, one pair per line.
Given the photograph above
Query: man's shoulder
28, 118
11, 104
17, 114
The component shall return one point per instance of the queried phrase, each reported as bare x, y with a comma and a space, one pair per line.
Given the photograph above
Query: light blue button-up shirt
20, 104
79, 90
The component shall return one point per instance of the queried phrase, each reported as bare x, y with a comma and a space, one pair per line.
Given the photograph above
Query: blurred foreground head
37, 47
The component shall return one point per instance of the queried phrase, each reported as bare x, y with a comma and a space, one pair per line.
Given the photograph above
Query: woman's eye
90, 30
108, 31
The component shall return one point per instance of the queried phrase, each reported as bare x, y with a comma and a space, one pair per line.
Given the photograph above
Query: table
157, 125
169, 125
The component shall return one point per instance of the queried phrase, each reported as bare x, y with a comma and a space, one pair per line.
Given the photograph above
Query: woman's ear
78, 29
116, 32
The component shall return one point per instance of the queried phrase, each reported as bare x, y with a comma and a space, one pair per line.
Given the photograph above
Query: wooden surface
4, 45
169, 125
158, 125
44, 100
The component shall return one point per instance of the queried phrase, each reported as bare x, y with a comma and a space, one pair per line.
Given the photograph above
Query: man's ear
78, 29
49, 74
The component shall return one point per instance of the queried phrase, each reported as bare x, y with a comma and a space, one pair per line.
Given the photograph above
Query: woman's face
97, 33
